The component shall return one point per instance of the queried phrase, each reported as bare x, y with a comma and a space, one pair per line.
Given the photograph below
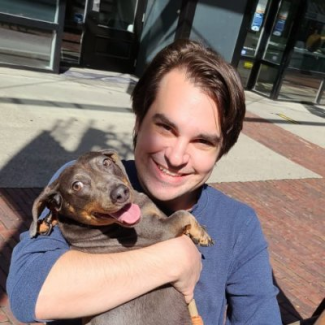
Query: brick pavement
291, 213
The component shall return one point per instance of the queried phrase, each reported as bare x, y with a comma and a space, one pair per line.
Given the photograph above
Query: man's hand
189, 267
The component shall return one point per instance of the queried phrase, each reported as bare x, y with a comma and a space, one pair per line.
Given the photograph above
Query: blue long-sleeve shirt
235, 284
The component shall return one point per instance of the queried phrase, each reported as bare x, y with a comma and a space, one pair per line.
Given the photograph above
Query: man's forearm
81, 284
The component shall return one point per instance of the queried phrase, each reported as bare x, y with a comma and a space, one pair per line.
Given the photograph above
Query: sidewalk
278, 167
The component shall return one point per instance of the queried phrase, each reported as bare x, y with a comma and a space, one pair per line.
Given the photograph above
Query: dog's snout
120, 194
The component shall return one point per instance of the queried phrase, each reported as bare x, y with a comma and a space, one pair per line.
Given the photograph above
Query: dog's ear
110, 153
50, 198
116, 158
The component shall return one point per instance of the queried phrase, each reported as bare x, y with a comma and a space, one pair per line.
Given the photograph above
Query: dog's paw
205, 239
201, 237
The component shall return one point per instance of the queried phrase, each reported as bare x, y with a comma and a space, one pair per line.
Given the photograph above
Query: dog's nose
120, 194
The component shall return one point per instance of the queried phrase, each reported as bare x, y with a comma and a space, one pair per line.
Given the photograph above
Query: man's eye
204, 142
77, 186
165, 127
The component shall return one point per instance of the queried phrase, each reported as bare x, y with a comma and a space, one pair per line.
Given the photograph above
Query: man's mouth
168, 172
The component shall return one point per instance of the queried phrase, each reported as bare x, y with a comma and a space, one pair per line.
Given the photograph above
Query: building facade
278, 46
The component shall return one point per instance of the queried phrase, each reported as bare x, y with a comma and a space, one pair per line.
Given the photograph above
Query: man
189, 108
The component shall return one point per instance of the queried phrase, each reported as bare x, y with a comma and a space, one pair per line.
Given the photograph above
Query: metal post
320, 92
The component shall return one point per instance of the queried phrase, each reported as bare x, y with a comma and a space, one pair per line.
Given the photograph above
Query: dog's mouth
129, 215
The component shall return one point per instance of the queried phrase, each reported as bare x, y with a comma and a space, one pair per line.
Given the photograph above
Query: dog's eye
77, 186
106, 162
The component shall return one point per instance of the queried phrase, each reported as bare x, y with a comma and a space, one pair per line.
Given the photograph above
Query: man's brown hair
209, 71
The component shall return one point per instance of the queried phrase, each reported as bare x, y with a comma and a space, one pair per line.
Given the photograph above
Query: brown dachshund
98, 211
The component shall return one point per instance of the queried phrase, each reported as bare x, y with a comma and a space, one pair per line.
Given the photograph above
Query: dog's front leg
183, 222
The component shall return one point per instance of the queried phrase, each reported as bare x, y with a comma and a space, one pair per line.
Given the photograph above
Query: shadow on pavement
38, 160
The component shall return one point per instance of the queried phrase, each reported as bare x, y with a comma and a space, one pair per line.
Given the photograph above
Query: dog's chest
109, 239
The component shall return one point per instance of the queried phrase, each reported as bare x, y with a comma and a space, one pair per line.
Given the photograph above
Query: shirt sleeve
251, 293
31, 262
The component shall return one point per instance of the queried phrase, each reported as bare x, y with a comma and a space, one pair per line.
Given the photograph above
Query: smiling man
189, 108
178, 142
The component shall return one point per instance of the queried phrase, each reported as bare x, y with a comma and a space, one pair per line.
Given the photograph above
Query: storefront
278, 46
284, 51
48, 34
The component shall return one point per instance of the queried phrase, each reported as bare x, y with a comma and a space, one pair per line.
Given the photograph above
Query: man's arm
88, 284
49, 281
81, 284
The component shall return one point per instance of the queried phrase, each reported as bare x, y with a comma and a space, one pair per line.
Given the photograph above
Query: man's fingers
188, 298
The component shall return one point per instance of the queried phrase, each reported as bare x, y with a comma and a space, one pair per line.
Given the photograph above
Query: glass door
75, 14
269, 42
277, 48
112, 33
304, 79
255, 31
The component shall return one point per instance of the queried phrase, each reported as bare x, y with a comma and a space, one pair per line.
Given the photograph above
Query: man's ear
50, 198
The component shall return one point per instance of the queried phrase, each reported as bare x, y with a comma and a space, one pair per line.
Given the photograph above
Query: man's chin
176, 201
163, 195
169, 195
165, 198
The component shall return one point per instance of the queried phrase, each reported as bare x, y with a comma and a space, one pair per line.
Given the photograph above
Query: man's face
177, 142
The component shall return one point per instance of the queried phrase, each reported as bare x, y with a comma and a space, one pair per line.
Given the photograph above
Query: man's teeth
166, 171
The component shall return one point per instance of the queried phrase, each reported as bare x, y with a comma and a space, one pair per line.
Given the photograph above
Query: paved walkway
292, 213
289, 198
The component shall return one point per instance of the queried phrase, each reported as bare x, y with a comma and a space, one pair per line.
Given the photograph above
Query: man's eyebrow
158, 117
214, 139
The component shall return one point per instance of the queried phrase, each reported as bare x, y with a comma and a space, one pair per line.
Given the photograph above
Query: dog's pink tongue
129, 215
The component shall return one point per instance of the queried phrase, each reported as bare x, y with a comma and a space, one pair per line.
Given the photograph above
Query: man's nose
176, 154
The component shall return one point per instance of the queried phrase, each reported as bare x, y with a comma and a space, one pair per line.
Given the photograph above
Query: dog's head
94, 191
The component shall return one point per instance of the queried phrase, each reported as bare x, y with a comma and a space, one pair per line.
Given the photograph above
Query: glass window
309, 50
266, 79
302, 59
74, 13
116, 14
254, 32
45, 10
281, 31
244, 69
26, 46
299, 87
